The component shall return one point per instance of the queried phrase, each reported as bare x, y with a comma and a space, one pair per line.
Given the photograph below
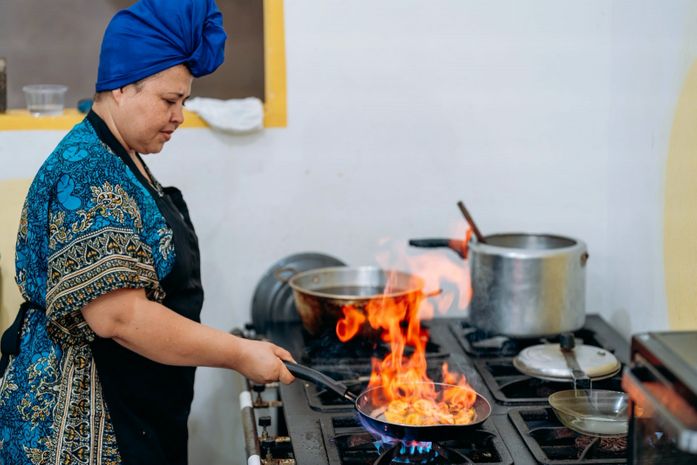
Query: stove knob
249, 331
265, 421
258, 388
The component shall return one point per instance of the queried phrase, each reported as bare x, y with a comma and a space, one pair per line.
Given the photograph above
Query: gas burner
429, 453
553, 444
355, 446
611, 445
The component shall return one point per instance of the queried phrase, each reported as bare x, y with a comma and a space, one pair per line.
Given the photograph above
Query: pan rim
480, 398
417, 281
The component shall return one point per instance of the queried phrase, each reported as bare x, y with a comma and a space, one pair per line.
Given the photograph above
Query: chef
99, 364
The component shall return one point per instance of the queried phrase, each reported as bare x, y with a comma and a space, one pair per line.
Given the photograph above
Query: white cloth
238, 116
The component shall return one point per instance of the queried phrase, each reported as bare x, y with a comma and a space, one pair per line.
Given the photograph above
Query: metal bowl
322, 293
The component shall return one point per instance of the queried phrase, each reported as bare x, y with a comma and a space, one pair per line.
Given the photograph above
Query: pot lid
273, 298
546, 361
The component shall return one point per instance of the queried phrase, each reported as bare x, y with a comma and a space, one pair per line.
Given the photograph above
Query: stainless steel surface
321, 294
546, 361
528, 285
592, 412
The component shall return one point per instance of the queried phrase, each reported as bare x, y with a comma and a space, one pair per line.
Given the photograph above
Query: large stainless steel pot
524, 285
320, 294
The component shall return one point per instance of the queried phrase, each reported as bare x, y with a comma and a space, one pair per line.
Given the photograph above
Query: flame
348, 326
408, 393
442, 270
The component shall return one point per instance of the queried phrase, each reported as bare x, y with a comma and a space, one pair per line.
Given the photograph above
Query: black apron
148, 402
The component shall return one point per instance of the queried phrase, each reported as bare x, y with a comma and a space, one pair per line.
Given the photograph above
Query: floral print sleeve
95, 246
88, 227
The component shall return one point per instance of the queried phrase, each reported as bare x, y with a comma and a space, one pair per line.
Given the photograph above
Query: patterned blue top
88, 227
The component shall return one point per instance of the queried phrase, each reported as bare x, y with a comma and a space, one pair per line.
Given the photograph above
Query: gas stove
314, 426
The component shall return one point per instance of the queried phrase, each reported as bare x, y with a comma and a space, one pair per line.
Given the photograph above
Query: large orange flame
408, 394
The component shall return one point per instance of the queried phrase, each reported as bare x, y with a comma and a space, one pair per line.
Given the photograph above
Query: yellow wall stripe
19, 120
680, 214
275, 108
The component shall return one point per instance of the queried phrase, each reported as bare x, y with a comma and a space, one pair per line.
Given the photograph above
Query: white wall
543, 116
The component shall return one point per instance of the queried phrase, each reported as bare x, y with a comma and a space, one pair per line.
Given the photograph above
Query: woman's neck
102, 110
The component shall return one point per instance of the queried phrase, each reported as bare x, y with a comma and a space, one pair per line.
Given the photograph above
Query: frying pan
371, 403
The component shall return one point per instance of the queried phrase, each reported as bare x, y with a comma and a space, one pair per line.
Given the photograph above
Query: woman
104, 348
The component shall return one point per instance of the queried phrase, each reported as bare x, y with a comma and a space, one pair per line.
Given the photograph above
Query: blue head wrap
153, 35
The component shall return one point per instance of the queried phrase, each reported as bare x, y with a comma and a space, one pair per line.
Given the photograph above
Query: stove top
316, 427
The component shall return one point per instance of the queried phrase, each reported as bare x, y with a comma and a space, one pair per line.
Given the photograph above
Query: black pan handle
314, 376
459, 246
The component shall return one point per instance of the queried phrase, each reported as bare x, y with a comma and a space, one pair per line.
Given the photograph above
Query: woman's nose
178, 114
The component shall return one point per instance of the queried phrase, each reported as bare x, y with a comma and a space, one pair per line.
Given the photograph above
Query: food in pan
452, 410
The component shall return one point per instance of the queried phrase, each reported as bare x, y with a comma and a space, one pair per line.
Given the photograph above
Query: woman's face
148, 113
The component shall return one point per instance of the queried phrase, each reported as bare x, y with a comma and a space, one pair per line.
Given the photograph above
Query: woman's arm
156, 332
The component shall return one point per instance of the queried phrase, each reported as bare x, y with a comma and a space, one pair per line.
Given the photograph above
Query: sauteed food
425, 412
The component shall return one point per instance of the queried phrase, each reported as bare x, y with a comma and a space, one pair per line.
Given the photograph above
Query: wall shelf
22, 120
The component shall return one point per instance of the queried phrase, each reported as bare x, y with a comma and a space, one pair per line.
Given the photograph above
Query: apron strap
9, 344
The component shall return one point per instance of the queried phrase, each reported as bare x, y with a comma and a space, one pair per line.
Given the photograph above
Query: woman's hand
262, 362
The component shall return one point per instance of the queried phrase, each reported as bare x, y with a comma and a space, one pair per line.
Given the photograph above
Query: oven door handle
686, 437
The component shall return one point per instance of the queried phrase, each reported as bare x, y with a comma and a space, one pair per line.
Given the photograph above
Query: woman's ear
117, 94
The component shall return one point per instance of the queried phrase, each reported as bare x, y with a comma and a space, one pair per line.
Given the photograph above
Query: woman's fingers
283, 354
284, 376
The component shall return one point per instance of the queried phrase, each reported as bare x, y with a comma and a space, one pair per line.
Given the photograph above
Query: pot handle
458, 245
314, 376
433, 293
584, 258
280, 273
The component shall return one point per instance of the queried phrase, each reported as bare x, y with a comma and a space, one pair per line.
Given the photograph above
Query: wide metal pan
370, 407
321, 294
594, 412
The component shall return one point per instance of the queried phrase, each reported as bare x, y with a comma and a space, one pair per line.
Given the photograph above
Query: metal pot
320, 294
524, 285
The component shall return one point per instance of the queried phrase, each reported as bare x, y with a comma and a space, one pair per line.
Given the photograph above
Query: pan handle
280, 274
314, 376
458, 245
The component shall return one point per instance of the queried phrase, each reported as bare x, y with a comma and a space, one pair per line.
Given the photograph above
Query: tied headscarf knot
153, 35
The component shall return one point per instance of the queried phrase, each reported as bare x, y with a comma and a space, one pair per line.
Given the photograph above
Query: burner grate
511, 387
553, 444
481, 344
327, 348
